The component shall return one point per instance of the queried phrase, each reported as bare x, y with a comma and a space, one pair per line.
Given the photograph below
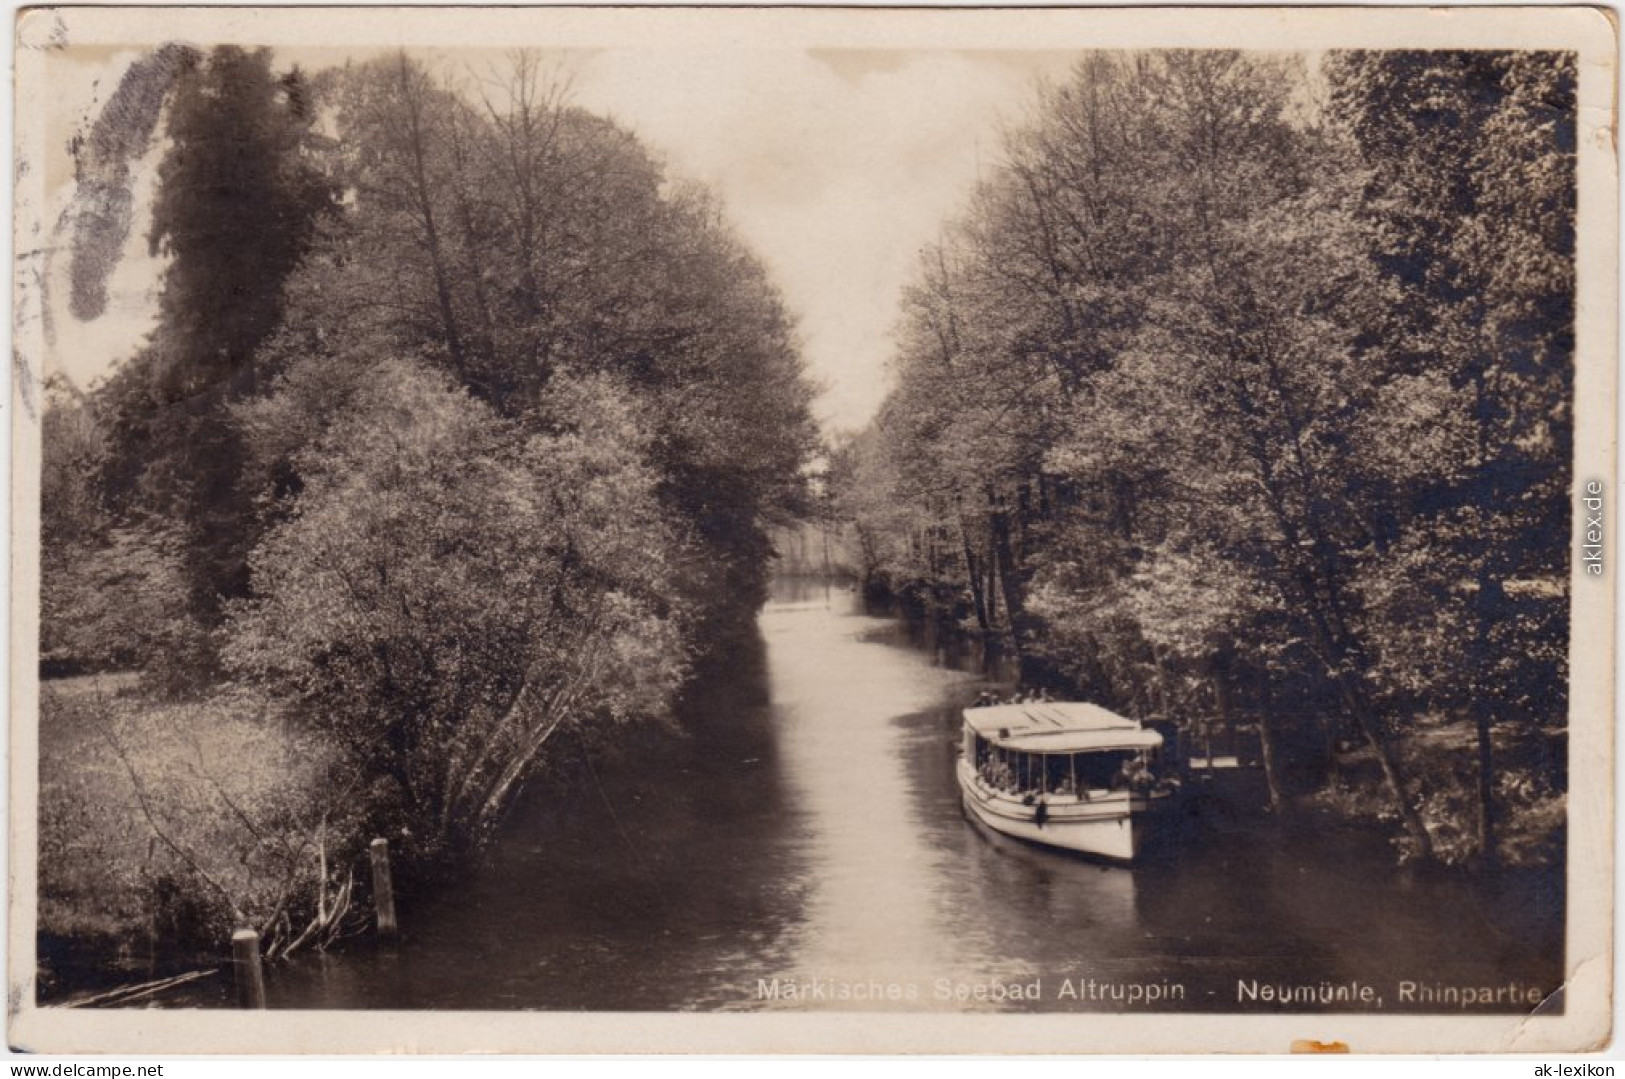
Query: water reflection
871, 913
804, 830
671, 865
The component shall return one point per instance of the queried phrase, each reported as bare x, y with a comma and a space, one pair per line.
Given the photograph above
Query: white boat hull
1117, 825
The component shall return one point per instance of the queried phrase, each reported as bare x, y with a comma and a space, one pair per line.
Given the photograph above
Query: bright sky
837, 166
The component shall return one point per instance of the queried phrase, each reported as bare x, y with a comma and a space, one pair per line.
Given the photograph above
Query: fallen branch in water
126, 993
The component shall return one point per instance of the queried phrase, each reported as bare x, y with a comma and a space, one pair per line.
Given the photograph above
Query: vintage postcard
813, 530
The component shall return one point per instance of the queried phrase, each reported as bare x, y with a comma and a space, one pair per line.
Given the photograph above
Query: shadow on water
648, 882
803, 833
1231, 897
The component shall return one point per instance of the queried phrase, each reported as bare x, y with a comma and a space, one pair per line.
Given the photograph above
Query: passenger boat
1065, 774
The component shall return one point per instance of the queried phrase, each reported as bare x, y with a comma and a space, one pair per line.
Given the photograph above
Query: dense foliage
461, 424
1240, 394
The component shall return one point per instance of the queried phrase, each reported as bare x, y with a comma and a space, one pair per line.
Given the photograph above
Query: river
800, 845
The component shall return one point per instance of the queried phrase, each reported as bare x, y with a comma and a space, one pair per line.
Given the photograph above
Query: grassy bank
1440, 762
165, 825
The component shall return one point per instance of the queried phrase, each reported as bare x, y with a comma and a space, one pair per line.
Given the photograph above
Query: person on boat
1131, 775
1137, 772
1124, 771
999, 776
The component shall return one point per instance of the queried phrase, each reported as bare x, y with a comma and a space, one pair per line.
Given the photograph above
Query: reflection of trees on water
947, 643
1266, 898
653, 886
735, 866
1229, 893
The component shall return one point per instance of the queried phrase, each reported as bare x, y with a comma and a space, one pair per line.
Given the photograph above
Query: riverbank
168, 822
796, 825
677, 866
1345, 789
164, 825
1441, 761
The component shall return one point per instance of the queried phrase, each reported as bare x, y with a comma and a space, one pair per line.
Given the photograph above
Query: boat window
1058, 773
995, 766
1101, 771
1015, 772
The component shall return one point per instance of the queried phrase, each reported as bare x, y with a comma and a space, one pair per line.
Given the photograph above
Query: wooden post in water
246, 969
383, 889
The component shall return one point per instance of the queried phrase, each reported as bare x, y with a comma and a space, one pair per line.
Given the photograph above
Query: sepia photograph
813, 530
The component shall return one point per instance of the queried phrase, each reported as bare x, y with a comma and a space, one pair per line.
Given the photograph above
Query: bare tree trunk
411, 97
1004, 562
1354, 701
1266, 736
991, 590
1486, 790
1485, 600
973, 572
1266, 750
474, 239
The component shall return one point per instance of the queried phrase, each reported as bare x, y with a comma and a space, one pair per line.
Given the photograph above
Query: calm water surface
805, 831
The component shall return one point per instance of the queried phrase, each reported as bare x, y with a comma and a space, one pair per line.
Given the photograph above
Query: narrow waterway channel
803, 834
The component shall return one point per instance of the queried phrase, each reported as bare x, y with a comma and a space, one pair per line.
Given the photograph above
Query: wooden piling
383, 889
246, 969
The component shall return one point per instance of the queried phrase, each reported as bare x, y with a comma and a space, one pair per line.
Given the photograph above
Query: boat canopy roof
1059, 727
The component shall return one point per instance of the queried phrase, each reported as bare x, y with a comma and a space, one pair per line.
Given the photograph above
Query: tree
237, 203
592, 403
1239, 405
454, 592
1471, 199
112, 592
512, 238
